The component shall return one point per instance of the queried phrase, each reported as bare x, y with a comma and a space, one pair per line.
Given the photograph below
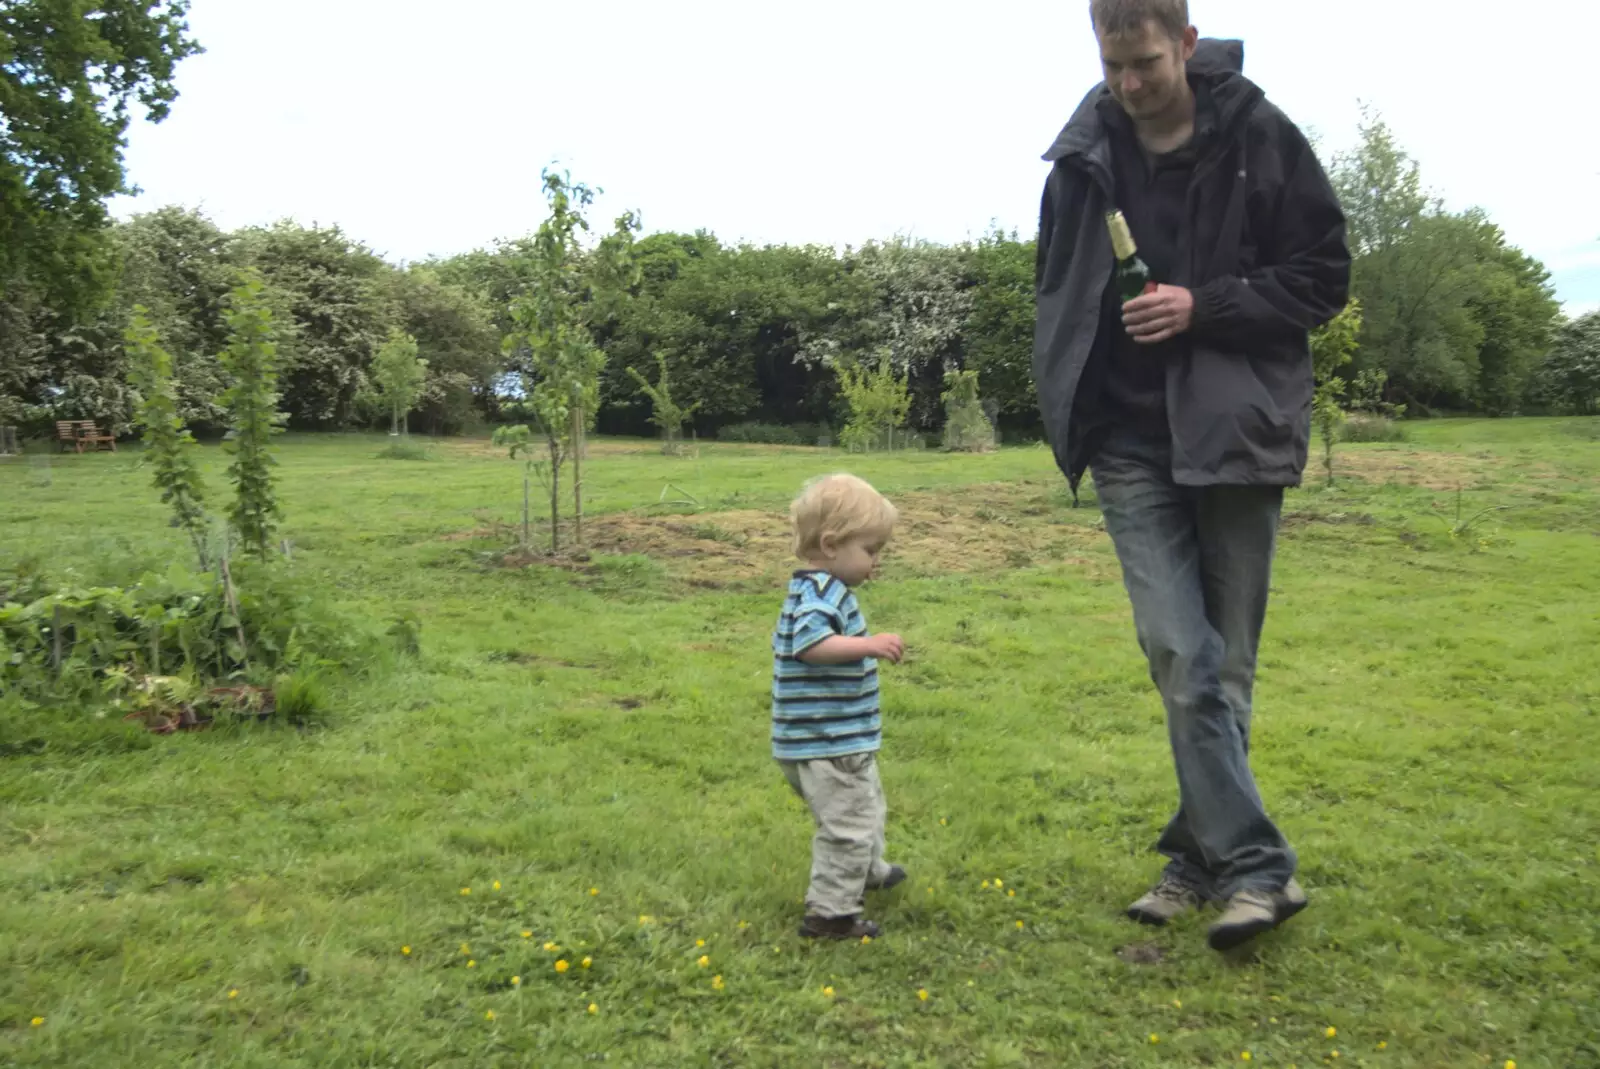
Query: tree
879, 402
25, 367
1569, 379
400, 377
736, 323
180, 266
665, 413
71, 364
997, 339
914, 301
1452, 314
69, 69
1332, 347
60, 367
456, 336
251, 358
551, 329
1517, 311
329, 298
167, 441
518, 440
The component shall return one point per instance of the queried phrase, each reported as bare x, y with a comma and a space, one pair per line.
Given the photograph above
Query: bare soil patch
1432, 471
970, 529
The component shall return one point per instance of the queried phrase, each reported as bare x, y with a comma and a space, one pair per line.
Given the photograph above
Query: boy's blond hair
841, 505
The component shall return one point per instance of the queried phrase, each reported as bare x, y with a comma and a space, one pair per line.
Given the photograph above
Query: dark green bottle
1133, 274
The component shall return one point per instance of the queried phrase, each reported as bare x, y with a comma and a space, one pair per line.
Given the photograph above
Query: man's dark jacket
1267, 263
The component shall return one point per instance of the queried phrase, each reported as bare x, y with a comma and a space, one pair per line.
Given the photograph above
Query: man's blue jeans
1197, 563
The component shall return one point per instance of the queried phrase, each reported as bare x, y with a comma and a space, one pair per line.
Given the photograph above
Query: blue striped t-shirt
821, 710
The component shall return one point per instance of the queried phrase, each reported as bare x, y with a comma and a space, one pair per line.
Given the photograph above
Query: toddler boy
825, 722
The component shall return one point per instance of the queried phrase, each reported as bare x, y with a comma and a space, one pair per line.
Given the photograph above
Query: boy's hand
888, 648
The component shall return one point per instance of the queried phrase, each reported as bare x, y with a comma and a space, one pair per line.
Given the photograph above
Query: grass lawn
585, 749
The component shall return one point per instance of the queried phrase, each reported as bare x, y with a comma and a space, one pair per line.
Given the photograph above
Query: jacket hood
1217, 63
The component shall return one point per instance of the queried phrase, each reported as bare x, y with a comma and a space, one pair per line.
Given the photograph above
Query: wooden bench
81, 432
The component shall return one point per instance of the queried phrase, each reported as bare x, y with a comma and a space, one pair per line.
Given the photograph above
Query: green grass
1426, 735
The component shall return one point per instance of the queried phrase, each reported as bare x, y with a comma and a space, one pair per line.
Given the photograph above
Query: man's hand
1156, 317
887, 648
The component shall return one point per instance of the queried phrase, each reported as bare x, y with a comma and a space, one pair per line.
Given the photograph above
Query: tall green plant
551, 329
518, 441
400, 377
167, 441
879, 401
71, 75
966, 426
1332, 347
251, 358
665, 413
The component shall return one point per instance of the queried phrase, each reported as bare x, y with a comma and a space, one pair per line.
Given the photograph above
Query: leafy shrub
65, 643
1365, 427
774, 433
760, 434
966, 426
405, 449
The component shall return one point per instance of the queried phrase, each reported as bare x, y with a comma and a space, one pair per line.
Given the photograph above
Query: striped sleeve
813, 621
817, 608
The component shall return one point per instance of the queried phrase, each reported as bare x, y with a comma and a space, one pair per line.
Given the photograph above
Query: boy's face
854, 560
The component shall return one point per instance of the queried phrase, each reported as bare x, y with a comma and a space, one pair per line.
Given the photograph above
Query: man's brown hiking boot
1164, 901
1251, 912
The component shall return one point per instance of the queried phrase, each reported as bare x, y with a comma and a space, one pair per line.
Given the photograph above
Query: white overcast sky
420, 127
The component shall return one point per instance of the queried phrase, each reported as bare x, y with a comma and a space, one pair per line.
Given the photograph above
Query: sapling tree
251, 359
879, 400
518, 441
665, 413
400, 377
565, 290
168, 443
1332, 347
1367, 395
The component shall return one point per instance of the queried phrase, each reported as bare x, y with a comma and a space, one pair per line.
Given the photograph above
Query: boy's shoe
896, 877
1164, 901
1251, 912
838, 928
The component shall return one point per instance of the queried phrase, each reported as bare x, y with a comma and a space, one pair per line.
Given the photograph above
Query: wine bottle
1133, 274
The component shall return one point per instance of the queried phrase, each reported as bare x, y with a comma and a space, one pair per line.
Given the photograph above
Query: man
1191, 404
